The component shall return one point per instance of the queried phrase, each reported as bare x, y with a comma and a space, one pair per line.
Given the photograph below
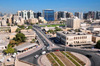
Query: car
36, 56
99, 51
44, 52
13, 56
89, 56
52, 44
43, 48
9, 59
57, 50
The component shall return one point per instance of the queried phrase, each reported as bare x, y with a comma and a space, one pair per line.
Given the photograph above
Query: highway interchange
94, 58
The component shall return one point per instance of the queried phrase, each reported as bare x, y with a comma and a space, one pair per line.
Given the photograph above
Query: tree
33, 41
29, 27
20, 37
37, 23
77, 30
21, 26
9, 50
8, 24
58, 29
98, 44
12, 43
31, 23
18, 30
51, 31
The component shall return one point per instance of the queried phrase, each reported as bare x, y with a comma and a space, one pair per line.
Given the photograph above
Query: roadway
30, 58
95, 59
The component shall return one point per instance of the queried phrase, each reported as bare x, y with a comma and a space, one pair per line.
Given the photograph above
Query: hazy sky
12, 6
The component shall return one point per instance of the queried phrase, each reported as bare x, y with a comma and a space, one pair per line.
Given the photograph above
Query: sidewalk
43, 61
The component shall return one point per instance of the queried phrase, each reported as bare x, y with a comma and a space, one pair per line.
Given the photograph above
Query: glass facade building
48, 15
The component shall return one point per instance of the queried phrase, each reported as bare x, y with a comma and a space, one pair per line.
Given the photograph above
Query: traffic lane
44, 41
31, 59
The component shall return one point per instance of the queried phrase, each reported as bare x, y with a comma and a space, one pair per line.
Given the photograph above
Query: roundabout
62, 58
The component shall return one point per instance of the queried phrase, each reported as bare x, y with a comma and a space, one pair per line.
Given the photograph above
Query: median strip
58, 60
77, 59
65, 60
52, 60
77, 64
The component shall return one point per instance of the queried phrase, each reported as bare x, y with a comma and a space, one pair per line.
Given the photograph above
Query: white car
43, 48
44, 52
36, 56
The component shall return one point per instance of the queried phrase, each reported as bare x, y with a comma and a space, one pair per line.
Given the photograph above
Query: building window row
79, 42
83, 37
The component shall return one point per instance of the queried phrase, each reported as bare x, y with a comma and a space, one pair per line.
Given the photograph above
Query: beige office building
56, 15
75, 39
73, 23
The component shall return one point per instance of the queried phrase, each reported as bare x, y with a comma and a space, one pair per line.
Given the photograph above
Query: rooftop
67, 33
25, 45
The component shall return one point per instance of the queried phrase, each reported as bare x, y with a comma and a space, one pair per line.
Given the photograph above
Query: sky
12, 6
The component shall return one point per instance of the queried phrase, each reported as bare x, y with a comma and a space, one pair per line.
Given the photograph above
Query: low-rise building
30, 34
42, 20
4, 41
33, 20
72, 38
13, 28
94, 28
95, 39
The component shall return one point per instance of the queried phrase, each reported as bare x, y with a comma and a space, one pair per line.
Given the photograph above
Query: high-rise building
39, 14
79, 15
85, 15
62, 14
56, 15
35, 15
91, 14
30, 14
26, 14
19, 13
1, 14
48, 15
97, 14
73, 23
69, 15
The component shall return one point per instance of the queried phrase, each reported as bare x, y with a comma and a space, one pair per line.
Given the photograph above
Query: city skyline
57, 5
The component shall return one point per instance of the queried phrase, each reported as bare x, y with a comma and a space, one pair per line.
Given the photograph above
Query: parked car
9, 59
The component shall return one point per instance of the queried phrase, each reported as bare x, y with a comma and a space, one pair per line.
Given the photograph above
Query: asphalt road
94, 58
30, 58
